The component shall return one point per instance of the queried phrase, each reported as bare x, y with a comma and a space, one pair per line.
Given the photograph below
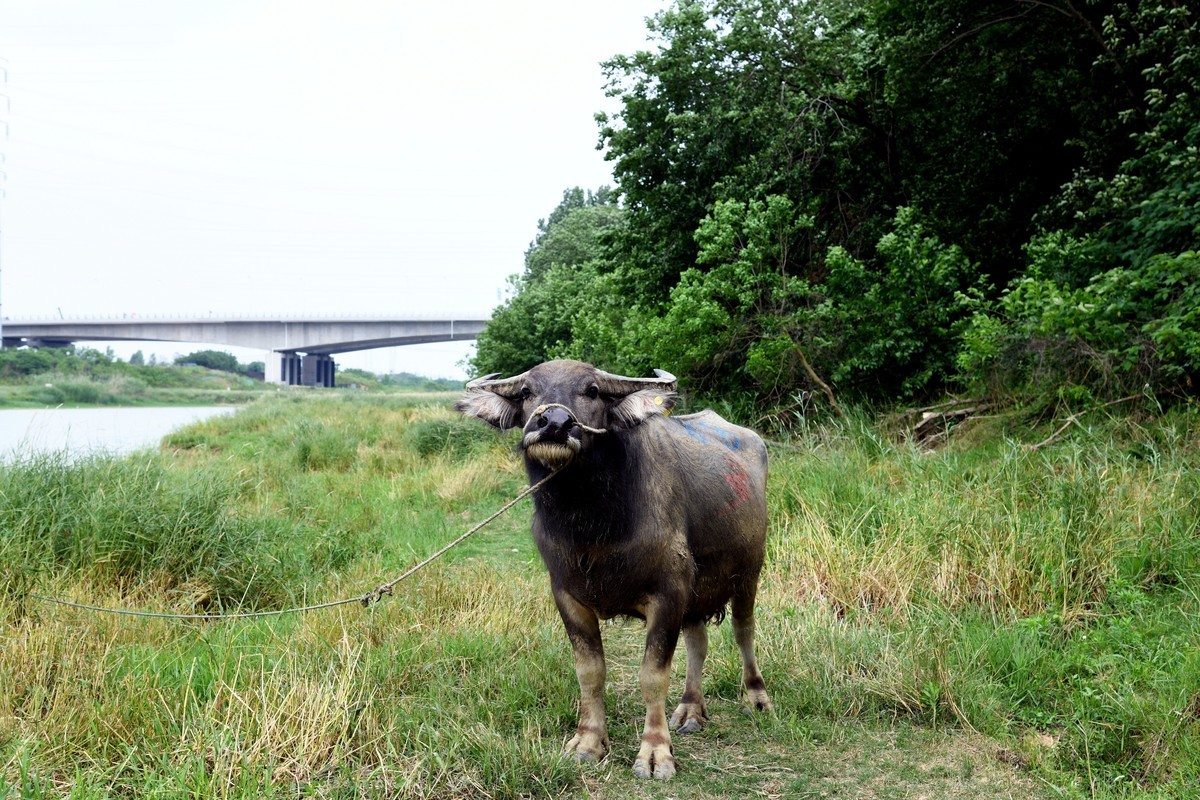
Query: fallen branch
815, 378
946, 404
1071, 419
931, 424
935, 425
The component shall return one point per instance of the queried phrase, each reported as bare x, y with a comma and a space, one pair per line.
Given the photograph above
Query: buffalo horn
508, 387
621, 385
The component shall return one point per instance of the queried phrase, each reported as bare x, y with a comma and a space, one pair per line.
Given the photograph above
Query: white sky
293, 157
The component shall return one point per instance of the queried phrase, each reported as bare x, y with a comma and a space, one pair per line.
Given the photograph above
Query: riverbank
980, 621
88, 378
71, 377
166, 386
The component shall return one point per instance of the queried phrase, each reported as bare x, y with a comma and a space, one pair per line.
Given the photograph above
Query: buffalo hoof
757, 699
586, 747
662, 770
689, 718
655, 761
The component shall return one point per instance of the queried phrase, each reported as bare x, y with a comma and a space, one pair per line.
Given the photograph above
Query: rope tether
366, 600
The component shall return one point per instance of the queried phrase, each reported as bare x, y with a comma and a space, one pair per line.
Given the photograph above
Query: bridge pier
282, 368
317, 370
292, 369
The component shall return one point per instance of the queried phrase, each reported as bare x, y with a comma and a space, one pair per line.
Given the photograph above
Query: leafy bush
1126, 328
212, 359
726, 322
898, 325
890, 325
24, 362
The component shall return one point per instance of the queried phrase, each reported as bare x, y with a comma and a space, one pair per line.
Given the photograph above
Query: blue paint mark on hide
707, 433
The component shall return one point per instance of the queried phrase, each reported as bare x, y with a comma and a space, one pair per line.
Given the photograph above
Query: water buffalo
656, 517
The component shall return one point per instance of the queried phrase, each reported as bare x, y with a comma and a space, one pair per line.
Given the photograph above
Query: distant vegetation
896, 199
84, 376
220, 361
410, 382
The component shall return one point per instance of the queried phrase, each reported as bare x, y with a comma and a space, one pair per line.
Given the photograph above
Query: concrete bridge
299, 350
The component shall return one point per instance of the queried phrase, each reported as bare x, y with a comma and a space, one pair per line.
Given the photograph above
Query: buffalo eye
526, 393
593, 392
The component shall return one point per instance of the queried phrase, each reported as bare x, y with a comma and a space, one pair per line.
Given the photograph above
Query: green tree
561, 267
212, 359
993, 105
742, 99
137, 359
817, 188
1110, 296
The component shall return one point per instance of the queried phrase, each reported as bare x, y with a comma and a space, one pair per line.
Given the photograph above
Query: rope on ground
366, 600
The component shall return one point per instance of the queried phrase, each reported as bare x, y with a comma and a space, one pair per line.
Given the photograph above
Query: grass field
983, 621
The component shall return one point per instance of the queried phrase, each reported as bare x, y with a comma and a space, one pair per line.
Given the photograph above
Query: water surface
84, 431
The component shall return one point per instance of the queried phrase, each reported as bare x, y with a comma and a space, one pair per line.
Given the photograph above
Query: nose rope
542, 409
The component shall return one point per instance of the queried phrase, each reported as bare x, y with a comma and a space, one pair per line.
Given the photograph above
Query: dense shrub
1126, 329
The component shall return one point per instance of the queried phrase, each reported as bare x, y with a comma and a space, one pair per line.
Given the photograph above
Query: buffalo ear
636, 407
490, 407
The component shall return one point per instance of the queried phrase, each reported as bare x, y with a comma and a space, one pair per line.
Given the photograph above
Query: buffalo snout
553, 435
553, 423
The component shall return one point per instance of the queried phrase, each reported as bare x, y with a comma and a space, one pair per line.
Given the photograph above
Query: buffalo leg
692, 714
655, 758
743, 631
583, 627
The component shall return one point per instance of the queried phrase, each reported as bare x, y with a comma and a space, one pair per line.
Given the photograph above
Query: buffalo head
559, 404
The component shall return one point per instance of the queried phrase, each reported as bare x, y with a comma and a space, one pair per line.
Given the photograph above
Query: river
82, 431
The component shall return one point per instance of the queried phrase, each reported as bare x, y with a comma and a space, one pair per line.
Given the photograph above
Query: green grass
981, 621
32, 378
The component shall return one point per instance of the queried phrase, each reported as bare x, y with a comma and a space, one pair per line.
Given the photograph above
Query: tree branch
973, 31
815, 378
1071, 419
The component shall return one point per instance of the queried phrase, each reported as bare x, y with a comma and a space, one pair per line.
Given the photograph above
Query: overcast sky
293, 157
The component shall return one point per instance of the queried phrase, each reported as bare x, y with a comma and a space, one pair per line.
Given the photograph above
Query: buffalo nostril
554, 421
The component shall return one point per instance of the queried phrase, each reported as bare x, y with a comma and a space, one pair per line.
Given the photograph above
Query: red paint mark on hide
738, 480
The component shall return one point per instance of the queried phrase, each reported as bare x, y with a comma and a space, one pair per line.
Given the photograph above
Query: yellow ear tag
658, 401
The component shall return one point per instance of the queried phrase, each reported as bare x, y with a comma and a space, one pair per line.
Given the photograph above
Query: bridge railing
215, 317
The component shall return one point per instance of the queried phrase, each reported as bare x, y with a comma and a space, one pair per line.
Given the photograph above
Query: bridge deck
323, 336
